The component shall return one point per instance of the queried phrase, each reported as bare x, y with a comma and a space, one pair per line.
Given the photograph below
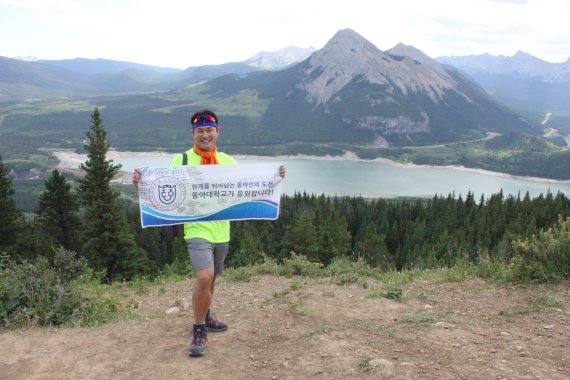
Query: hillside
300, 328
526, 84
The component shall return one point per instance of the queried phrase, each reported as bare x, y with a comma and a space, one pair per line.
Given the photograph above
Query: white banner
184, 194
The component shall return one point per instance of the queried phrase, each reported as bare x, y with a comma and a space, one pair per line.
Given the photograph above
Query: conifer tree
301, 237
108, 243
58, 212
12, 217
333, 236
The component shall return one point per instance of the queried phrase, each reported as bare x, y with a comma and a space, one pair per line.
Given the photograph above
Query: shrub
241, 274
41, 292
96, 311
343, 265
298, 265
543, 257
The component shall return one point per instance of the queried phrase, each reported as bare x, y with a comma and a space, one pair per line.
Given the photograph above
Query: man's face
205, 137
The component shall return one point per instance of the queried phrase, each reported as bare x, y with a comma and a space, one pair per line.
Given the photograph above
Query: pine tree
246, 247
373, 249
334, 237
58, 212
301, 237
12, 218
108, 243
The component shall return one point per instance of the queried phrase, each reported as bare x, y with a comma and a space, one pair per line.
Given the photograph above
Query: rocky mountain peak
279, 59
348, 55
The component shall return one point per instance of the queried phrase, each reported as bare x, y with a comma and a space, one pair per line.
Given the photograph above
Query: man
207, 242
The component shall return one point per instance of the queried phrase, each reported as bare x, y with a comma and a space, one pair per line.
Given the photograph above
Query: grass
537, 305
293, 287
425, 297
392, 292
322, 330
547, 302
295, 307
100, 303
424, 319
365, 365
515, 310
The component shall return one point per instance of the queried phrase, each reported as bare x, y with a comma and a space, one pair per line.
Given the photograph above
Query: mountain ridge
528, 85
348, 91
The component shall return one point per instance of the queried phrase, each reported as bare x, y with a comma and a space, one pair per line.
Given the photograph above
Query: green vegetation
58, 213
539, 304
51, 258
49, 292
11, 215
258, 120
107, 242
424, 319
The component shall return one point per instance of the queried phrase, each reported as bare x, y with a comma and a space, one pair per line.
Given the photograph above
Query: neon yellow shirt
214, 232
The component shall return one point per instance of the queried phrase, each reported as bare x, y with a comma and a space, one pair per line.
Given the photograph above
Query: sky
186, 33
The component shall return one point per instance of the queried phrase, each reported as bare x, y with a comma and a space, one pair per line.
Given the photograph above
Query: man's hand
282, 171
136, 178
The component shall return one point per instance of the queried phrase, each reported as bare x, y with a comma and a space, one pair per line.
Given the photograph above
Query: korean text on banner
185, 194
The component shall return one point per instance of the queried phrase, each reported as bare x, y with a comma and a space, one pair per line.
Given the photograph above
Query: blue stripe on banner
249, 210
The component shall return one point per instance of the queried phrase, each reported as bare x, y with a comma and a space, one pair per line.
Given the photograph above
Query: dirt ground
297, 328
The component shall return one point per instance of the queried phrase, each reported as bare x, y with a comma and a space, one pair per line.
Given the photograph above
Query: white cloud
181, 33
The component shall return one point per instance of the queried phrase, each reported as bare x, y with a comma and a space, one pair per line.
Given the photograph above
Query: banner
185, 194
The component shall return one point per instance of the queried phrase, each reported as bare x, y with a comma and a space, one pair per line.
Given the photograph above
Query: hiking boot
214, 324
199, 341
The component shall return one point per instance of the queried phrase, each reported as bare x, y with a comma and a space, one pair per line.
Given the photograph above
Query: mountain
23, 79
350, 91
528, 85
104, 66
520, 64
279, 59
36, 80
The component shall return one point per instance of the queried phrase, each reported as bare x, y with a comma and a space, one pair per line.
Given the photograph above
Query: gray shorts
204, 254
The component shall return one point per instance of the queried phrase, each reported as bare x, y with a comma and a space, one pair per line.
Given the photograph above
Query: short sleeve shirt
215, 231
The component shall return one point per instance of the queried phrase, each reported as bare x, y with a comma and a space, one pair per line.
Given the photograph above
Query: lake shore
70, 160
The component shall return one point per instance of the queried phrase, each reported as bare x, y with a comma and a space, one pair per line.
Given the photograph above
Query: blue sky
184, 33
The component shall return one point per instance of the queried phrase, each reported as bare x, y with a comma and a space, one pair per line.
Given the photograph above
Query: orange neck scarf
208, 158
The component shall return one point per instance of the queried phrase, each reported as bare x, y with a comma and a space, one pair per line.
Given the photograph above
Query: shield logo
167, 193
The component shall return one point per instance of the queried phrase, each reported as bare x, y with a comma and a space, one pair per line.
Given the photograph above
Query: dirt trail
297, 328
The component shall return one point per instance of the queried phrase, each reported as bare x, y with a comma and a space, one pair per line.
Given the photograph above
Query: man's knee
205, 277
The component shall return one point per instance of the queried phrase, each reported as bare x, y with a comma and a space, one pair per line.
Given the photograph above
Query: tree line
402, 234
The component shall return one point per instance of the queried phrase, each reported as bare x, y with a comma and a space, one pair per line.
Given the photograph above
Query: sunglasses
203, 117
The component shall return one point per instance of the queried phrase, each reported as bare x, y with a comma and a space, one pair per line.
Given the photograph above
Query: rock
382, 366
380, 363
186, 303
444, 325
172, 310
548, 327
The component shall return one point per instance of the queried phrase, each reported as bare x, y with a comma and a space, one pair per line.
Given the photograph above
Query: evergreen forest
390, 234
93, 224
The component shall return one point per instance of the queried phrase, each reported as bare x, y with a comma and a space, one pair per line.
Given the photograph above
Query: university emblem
167, 193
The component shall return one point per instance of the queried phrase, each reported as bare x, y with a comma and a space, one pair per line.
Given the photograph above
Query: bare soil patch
295, 328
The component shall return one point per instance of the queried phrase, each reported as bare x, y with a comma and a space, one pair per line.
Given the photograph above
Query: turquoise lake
381, 179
